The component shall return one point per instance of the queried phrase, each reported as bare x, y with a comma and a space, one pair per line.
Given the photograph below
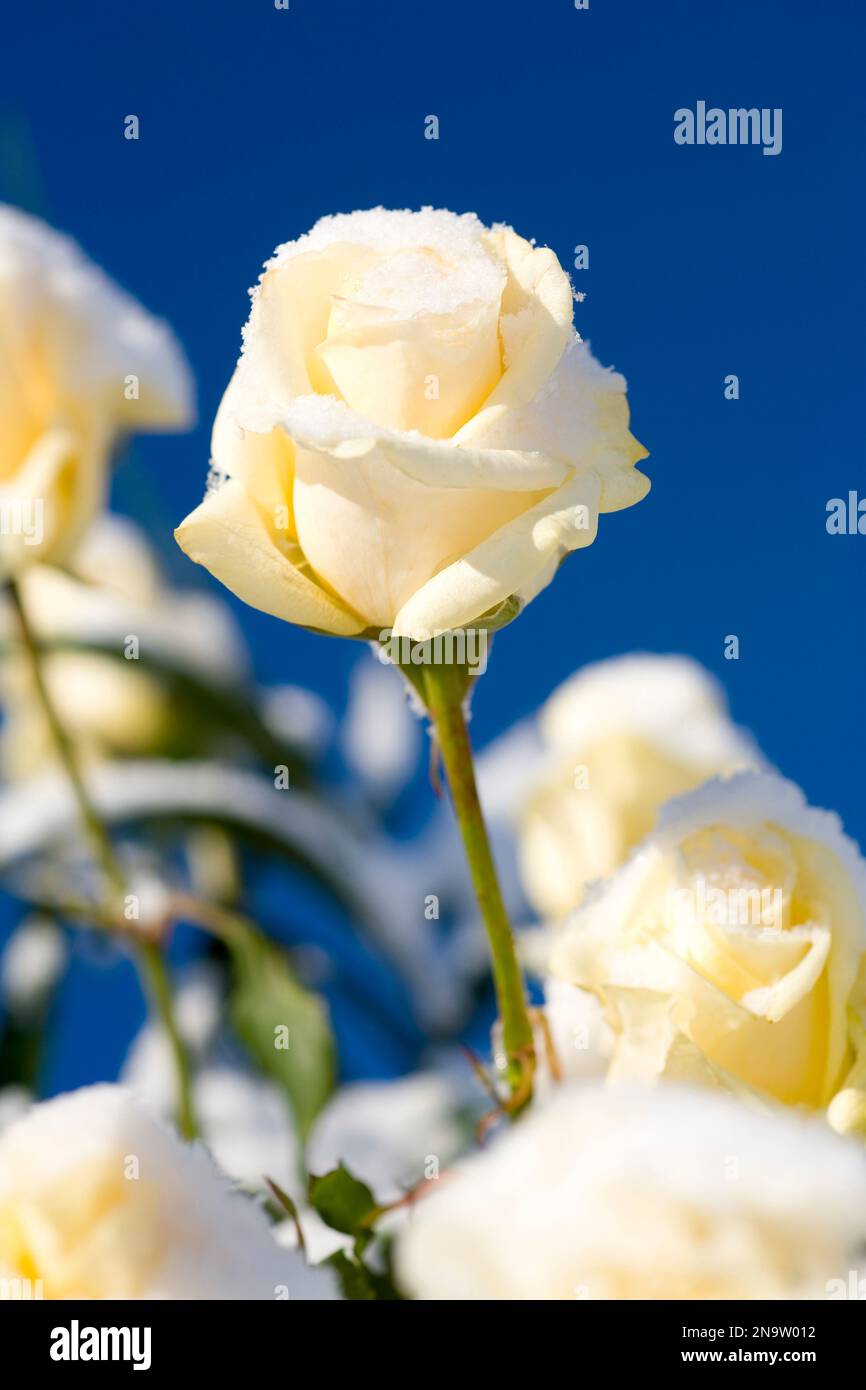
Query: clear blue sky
704, 261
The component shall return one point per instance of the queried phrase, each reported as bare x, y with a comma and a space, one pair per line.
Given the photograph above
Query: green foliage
284, 1026
360, 1283
343, 1201
347, 1205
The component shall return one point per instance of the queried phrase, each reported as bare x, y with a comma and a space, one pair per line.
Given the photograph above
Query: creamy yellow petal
262, 461
538, 302
228, 534
567, 838
78, 344
579, 415
775, 1000
430, 372
823, 878
604, 949
783, 1056
506, 562
499, 470
377, 535
51, 498
323, 427
288, 320
644, 1033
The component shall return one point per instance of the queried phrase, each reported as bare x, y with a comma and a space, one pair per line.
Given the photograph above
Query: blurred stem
223, 922
445, 690
96, 831
149, 957
152, 968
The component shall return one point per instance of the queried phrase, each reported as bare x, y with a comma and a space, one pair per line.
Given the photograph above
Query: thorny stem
150, 960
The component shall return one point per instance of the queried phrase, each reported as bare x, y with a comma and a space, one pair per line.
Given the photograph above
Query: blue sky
704, 261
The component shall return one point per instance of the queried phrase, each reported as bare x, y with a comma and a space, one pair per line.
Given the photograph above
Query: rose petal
227, 534
506, 563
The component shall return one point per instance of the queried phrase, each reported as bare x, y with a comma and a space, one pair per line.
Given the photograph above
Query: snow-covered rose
623, 1194
731, 947
81, 365
619, 739
98, 1200
414, 434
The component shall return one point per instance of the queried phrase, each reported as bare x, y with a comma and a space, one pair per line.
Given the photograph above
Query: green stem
158, 986
151, 964
96, 831
445, 689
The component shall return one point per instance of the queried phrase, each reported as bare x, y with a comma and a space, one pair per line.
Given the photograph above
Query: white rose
100, 1201
619, 739
624, 1194
414, 436
82, 365
730, 948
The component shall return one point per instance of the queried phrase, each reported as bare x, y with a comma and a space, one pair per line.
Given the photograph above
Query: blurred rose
619, 739
110, 592
730, 949
100, 1201
81, 366
414, 434
621, 1194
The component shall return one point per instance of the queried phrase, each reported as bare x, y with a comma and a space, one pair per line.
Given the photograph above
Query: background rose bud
731, 946
82, 365
624, 1194
99, 1200
414, 434
620, 739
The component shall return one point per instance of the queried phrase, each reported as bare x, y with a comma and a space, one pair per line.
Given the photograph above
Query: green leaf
356, 1282
360, 1282
342, 1201
284, 1026
500, 615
